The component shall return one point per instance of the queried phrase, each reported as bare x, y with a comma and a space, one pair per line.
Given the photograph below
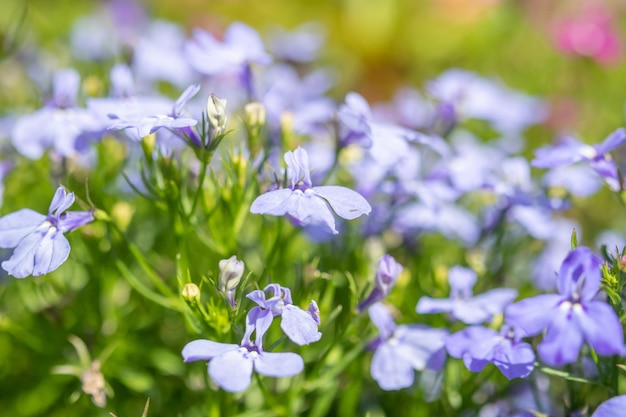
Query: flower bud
255, 114
231, 271
216, 114
191, 292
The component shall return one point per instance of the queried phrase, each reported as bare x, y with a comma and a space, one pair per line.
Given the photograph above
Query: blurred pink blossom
592, 33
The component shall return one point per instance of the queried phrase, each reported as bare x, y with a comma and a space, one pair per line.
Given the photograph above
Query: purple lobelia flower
59, 125
231, 365
570, 151
300, 326
573, 315
307, 205
386, 277
355, 119
462, 305
40, 246
400, 350
478, 346
241, 46
613, 407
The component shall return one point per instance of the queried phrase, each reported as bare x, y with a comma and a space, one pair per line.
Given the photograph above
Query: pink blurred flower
592, 34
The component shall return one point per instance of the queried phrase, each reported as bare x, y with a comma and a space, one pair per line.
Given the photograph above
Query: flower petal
203, 349
53, 250
391, 371
532, 314
345, 202
232, 370
15, 226
563, 339
273, 202
601, 327
299, 326
613, 407
279, 364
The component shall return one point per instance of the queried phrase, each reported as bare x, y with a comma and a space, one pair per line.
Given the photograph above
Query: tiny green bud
231, 271
216, 113
191, 292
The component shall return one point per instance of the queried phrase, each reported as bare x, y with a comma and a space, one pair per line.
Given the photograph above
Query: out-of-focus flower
593, 33
231, 271
191, 292
400, 350
573, 315
307, 205
462, 305
386, 277
475, 97
478, 346
59, 125
240, 47
299, 45
231, 365
299, 325
570, 151
354, 121
40, 246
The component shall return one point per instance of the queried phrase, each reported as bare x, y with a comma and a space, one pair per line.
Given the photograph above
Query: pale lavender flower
570, 151
40, 246
613, 407
59, 125
462, 304
478, 346
231, 271
240, 47
400, 350
299, 325
354, 117
386, 276
143, 124
231, 365
299, 45
572, 316
307, 205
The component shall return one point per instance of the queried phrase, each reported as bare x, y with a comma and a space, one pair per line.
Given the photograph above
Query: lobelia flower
231, 365
478, 346
386, 277
300, 326
307, 205
40, 246
570, 151
400, 350
65, 123
573, 315
462, 305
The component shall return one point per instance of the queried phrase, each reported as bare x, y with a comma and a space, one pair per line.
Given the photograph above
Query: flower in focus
573, 315
231, 271
231, 365
478, 346
386, 276
40, 246
462, 305
307, 205
400, 350
299, 325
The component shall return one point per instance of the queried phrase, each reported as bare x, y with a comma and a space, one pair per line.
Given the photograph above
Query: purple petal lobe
532, 314
203, 349
563, 339
53, 250
273, 202
427, 305
382, 319
601, 328
390, 370
345, 202
15, 226
299, 326
232, 370
279, 364
611, 408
